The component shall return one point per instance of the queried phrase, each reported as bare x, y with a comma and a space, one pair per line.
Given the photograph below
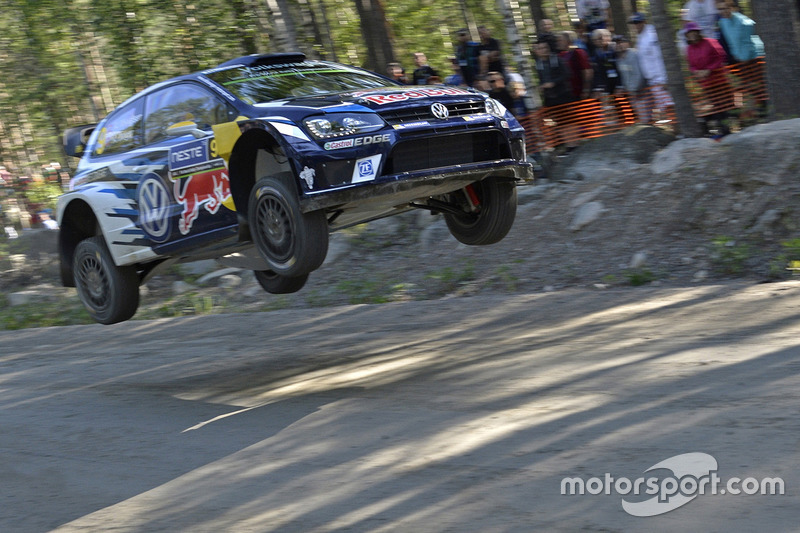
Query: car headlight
493, 107
341, 124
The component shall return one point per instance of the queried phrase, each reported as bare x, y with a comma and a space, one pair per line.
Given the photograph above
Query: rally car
255, 161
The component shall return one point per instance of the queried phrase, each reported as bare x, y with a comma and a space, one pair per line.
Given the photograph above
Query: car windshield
264, 83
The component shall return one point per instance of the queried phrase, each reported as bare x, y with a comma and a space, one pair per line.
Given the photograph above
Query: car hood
382, 98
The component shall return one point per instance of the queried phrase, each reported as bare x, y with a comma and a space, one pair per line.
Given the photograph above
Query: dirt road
452, 415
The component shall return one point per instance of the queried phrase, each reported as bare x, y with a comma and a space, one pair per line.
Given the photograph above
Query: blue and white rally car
257, 160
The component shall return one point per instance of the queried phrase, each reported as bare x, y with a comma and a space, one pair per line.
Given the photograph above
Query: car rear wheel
110, 293
276, 284
486, 211
292, 243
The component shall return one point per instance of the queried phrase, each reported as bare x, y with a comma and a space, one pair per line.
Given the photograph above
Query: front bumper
400, 189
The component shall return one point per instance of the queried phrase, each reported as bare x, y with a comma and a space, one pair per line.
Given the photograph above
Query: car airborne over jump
255, 161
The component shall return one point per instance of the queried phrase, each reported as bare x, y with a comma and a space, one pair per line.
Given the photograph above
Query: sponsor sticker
366, 169
412, 125
188, 154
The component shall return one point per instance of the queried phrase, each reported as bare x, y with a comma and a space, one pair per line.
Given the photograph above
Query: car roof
262, 59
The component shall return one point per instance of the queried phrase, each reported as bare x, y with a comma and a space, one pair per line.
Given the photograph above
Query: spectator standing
456, 77
580, 67
652, 66
631, 78
491, 56
581, 39
519, 107
704, 13
738, 30
553, 76
498, 89
604, 59
397, 73
706, 61
546, 35
594, 13
467, 55
423, 70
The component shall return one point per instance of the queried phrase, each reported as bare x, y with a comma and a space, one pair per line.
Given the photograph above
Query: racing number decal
101, 142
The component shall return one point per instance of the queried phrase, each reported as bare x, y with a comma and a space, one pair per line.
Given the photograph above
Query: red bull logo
206, 189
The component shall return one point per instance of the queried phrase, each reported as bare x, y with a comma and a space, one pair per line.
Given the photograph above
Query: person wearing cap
651, 64
467, 53
704, 13
706, 63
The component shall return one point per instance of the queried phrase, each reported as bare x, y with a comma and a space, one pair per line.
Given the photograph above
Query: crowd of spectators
592, 61
23, 205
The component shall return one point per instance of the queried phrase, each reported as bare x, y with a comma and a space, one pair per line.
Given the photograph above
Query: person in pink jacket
707, 61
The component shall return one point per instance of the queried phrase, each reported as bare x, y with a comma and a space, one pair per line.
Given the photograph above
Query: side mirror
186, 128
75, 139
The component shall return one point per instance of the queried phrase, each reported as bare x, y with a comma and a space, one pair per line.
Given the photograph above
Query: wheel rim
94, 282
275, 227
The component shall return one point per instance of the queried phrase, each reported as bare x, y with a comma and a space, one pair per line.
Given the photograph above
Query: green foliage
788, 261
729, 256
43, 194
639, 276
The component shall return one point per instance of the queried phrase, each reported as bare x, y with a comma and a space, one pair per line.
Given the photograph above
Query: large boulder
632, 146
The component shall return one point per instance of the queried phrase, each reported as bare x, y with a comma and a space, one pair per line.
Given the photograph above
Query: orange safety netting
740, 86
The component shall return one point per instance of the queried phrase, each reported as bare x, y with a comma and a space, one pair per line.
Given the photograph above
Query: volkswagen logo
440, 111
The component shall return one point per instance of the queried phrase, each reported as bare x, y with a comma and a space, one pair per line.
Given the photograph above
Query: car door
184, 191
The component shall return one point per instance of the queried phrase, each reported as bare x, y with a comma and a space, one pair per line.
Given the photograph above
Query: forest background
70, 62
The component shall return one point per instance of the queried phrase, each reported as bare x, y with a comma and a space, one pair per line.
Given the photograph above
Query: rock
338, 246
180, 287
586, 197
766, 221
217, 274
586, 214
229, 281
611, 154
638, 260
673, 157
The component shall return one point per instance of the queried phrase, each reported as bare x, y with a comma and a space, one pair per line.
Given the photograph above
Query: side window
184, 102
122, 130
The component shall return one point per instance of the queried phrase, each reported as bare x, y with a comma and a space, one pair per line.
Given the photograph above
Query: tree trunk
620, 11
519, 61
537, 11
285, 35
687, 121
377, 34
776, 27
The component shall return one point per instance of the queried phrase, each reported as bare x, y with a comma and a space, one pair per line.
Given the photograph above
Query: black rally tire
494, 218
276, 284
109, 293
291, 242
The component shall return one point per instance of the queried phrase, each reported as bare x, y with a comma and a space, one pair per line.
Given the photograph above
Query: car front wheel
485, 211
109, 293
292, 243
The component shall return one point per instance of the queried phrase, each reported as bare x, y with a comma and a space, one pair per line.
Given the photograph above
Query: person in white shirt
704, 13
594, 13
651, 63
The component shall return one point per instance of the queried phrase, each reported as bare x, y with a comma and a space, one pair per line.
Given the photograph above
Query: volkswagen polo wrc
257, 160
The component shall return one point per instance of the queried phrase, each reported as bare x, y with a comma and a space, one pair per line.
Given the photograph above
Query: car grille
446, 150
413, 114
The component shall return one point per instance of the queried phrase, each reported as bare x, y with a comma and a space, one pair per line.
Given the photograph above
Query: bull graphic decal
206, 189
